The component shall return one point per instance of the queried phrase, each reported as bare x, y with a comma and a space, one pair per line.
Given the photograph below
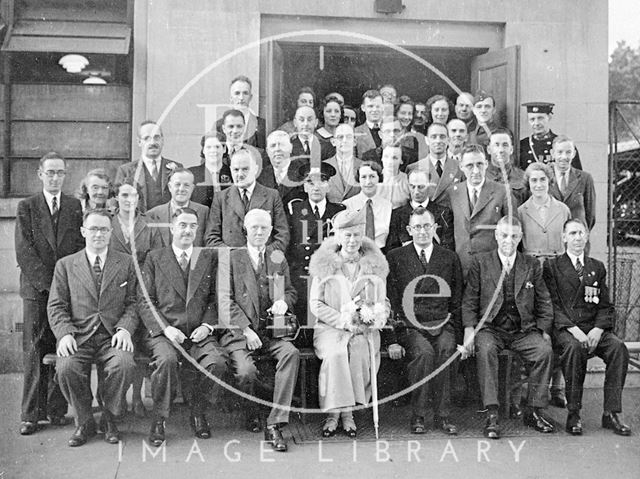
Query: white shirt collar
504, 259
424, 204
178, 252
174, 206
249, 189
92, 257
434, 160
478, 187
254, 254
427, 251
48, 197
148, 162
281, 174
371, 125
559, 175
322, 206
573, 258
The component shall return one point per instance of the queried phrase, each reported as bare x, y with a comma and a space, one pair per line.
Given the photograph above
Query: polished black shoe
558, 399
273, 435
200, 426
59, 420
329, 427
27, 428
491, 427
156, 435
109, 428
83, 433
574, 424
536, 420
254, 424
516, 411
444, 425
417, 425
613, 422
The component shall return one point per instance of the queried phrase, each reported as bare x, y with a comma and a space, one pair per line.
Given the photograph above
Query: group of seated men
220, 267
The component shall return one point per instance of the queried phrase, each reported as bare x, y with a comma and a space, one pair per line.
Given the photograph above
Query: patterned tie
245, 199
306, 147
184, 261
423, 259
154, 170
97, 272
579, 268
260, 262
563, 183
316, 212
439, 168
54, 211
370, 228
474, 200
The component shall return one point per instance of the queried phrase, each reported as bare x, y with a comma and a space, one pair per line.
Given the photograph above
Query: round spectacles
425, 227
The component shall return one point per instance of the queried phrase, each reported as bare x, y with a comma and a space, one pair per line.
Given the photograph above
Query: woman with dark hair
131, 235
405, 112
331, 115
211, 174
439, 109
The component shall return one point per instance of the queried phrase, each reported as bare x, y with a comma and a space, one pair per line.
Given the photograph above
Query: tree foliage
624, 73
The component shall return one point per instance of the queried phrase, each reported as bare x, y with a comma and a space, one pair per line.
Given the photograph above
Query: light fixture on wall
73, 63
94, 80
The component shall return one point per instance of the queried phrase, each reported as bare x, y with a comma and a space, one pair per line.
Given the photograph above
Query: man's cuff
209, 327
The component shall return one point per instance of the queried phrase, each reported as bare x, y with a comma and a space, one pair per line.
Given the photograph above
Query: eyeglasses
149, 138
425, 227
52, 173
185, 226
98, 229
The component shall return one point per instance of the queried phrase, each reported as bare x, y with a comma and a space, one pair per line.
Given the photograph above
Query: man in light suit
226, 218
506, 305
477, 206
149, 174
47, 229
368, 134
92, 312
583, 327
442, 170
259, 286
177, 304
181, 185
343, 184
428, 328
573, 187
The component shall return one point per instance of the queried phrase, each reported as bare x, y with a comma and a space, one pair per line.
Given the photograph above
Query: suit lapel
448, 175
258, 197
110, 269
118, 235
197, 270
250, 282
138, 227
46, 224
164, 174
463, 200
568, 272
235, 201
81, 269
521, 272
486, 194
574, 179
171, 269
532, 212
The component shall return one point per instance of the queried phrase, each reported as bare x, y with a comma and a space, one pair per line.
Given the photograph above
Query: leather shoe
574, 424
254, 424
82, 433
156, 435
516, 411
27, 428
59, 420
491, 428
273, 435
444, 425
536, 420
200, 426
109, 428
417, 425
613, 422
558, 399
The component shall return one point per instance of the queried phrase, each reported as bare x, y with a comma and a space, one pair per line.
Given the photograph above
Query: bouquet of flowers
360, 315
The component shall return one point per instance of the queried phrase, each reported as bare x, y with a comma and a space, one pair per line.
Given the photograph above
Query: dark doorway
353, 69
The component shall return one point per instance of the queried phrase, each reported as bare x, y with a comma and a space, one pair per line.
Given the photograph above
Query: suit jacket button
306, 257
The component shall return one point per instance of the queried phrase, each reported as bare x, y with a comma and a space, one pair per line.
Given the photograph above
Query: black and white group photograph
350, 238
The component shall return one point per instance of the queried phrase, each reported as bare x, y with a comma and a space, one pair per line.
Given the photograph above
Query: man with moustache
429, 324
420, 117
181, 186
368, 134
279, 174
458, 135
177, 305
506, 305
501, 151
47, 229
343, 184
226, 218
583, 327
92, 312
149, 174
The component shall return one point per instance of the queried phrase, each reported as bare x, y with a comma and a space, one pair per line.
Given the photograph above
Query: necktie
423, 259
97, 272
154, 170
579, 268
54, 211
370, 229
474, 200
245, 199
439, 168
316, 212
260, 262
183, 262
376, 136
507, 266
306, 147
563, 183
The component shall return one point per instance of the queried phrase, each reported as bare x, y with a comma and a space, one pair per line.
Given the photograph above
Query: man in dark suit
428, 327
583, 327
305, 144
419, 191
226, 217
92, 312
368, 134
477, 206
233, 128
177, 304
391, 134
309, 221
240, 96
149, 174
260, 286
181, 184
506, 305
572, 186
343, 184
47, 229
281, 173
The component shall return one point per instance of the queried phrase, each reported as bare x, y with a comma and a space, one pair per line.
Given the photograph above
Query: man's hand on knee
122, 340
67, 346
